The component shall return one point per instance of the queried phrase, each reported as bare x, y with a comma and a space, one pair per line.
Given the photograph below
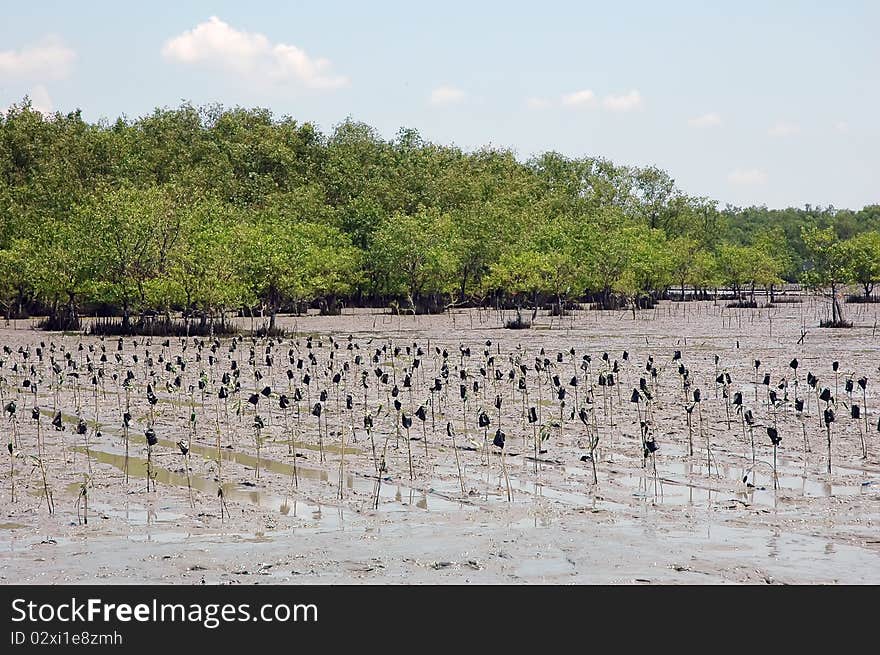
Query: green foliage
648, 264
203, 273
410, 255
212, 210
829, 265
863, 252
828, 259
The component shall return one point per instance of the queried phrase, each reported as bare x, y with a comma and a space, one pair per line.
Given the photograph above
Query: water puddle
807, 557
136, 435
492, 487
136, 513
391, 491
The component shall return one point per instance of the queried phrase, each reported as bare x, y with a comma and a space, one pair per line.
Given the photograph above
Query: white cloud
747, 177
626, 102
446, 95
250, 54
706, 120
842, 127
537, 103
48, 59
783, 129
583, 98
40, 101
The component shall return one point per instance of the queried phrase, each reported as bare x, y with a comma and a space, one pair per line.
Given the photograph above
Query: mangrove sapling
650, 447
561, 397
463, 394
757, 364
812, 382
855, 413
611, 383
152, 399
183, 445
35, 416
47, 493
483, 422
799, 410
545, 433
82, 501
435, 389
725, 394
349, 405
83, 430
224, 509
863, 383
533, 419
774, 403
450, 431
258, 441
368, 426
718, 378
749, 419
223, 394
773, 433
689, 412
10, 409
422, 415
699, 404
593, 439
12, 453
498, 441
383, 468
636, 399
820, 395
828, 416
152, 440
342, 459
316, 412
406, 421
740, 409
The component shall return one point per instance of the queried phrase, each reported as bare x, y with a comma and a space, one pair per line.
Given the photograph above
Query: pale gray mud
319, 517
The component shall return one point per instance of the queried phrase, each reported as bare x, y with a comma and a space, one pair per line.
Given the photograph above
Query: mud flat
441, 513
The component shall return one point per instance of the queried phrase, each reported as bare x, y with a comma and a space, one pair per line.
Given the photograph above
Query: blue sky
771, 103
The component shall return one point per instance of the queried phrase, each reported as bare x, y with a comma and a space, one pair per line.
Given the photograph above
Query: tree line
214, 211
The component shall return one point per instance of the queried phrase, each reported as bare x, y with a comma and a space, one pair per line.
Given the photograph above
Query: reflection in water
137, 468
773, 545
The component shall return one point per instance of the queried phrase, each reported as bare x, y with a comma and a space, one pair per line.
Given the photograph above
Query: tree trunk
330, 306
70, 319
836, 313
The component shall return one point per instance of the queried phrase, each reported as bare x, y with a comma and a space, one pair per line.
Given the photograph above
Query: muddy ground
669, 518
